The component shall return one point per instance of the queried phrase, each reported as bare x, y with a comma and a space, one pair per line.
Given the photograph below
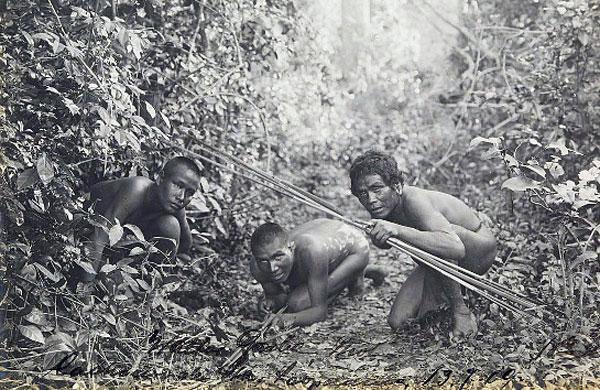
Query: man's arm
434, 234
185, 236
436, 237
274, 294
127, 198
317, 290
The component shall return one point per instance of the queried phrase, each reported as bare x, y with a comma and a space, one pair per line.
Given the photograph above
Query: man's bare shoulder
132, 183
308, 243
420, 197
412, 193
136, 183
126, 194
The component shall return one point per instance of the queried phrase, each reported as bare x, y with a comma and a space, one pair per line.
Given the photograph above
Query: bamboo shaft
468, 279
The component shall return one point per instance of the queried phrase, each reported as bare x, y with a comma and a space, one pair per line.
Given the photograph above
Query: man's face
175, 190
376, 196
275, 259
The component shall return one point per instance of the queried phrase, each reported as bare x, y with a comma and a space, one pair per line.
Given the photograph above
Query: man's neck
397, 214
151, 201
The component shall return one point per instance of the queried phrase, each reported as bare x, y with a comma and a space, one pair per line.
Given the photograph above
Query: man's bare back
142, 210
438, 223
317, 260
157, 208
331, 241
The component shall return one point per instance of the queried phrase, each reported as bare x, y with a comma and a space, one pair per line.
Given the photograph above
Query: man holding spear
433, 221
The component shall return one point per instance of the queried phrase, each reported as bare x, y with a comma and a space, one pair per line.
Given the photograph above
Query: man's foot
464, 322
357, 287
376, 274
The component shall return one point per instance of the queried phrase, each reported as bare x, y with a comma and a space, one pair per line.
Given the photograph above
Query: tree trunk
356, 15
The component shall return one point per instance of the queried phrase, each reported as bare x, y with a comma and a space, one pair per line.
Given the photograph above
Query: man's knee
360, 261
398, 320
167, 226
167, 232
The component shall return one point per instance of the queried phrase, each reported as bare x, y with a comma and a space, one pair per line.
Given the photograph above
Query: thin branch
69, 43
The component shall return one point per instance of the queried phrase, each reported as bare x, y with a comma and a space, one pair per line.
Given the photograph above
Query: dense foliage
98, 90
93, 90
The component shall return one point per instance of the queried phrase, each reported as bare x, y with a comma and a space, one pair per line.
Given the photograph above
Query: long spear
464, 277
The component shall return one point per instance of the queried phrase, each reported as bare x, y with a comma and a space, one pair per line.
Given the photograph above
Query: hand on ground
356, 289
264, 306
282, 321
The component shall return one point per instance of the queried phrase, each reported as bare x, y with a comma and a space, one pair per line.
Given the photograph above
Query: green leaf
559, 145
53, 277
49, 37
583, 38
199, 204
53, 90
133, 141
36, 317
45, 169
585, 256
204, 184
136, 45
520, 184
32, 332
128, 269
70, 104
28, 38
108, 268
143, 284
87, 266
150, 109
510, 160
221, 227
478, 140
137, 232
136, 251
555, 169
27, 178
166, 120
115, 233
535, 168
109, 318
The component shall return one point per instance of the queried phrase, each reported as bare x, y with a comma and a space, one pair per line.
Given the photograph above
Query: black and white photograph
299, 194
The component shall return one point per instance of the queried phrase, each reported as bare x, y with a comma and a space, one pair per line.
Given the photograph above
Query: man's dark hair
265, 234
375, 162
173, 163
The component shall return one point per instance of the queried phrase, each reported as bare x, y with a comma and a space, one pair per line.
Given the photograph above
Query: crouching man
308, 266
156, 207
436, 222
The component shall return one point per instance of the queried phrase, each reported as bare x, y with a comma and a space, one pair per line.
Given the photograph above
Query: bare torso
477, 238
332, 241
133, 191
452, 208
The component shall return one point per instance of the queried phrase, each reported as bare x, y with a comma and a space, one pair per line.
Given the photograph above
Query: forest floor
356, 346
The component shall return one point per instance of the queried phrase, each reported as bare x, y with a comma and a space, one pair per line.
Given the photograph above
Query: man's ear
398, 188
159, 177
